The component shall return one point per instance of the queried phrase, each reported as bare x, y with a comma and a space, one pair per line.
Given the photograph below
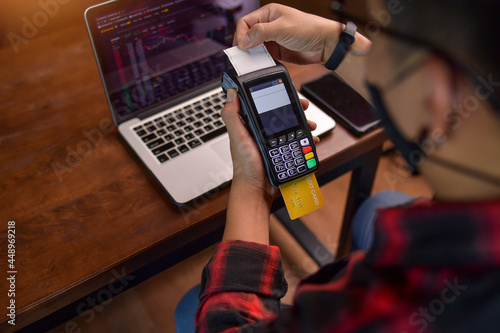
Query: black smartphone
334, 96
272, 111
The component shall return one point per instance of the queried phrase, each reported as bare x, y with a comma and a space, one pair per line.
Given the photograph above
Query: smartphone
272, 111
334, 96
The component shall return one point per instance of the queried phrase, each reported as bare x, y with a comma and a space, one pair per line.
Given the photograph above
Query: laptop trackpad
221, 148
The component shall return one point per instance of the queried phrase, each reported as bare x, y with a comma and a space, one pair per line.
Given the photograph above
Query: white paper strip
247, 61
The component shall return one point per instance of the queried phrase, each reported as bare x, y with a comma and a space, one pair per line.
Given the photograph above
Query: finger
312, 125
260, 33
305, 103
230, 115
263, 25
242, 28
244, 24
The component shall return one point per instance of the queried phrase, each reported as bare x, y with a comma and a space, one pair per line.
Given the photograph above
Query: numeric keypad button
279, 168
277, 160
299, 161
284, 149
274, 152
290, 164
294, 145
282, 175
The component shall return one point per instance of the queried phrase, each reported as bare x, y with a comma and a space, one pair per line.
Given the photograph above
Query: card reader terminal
272, 111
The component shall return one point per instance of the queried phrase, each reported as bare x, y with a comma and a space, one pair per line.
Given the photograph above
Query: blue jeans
186, 309
363, 226
362, 239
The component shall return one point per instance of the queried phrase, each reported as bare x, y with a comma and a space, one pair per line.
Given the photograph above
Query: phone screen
341, 99
274, 107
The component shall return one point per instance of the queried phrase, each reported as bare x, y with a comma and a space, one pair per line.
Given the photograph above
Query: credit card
302, 196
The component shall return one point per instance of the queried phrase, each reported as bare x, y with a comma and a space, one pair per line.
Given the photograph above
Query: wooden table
90, 219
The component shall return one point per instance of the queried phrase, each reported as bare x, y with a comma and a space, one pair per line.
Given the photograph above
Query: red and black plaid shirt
433, 268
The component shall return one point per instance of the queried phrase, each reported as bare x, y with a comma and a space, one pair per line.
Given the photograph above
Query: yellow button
308, 156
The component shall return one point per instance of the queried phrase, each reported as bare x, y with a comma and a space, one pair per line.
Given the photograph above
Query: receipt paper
247, 61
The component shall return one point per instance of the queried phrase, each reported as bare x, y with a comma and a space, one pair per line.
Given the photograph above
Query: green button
311, 163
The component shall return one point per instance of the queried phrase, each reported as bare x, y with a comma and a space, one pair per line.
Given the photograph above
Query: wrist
331, 39
248, 212
360, 46
255, 191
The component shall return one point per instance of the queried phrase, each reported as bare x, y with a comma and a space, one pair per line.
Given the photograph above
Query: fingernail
245, 40
230, 95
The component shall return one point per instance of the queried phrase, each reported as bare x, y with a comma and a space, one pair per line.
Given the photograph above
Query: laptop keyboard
178, 132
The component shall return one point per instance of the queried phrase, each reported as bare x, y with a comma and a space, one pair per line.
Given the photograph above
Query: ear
440, 97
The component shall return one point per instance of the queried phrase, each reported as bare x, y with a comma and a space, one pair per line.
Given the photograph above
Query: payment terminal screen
273, 105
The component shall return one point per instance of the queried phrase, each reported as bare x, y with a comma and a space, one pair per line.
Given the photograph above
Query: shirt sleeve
242, 283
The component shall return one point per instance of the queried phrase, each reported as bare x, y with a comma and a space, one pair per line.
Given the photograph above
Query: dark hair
466, 31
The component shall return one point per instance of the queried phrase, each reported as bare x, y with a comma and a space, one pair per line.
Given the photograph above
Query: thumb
230, 114
260, 33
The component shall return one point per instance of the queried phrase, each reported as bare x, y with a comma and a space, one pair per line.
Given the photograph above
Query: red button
307, 149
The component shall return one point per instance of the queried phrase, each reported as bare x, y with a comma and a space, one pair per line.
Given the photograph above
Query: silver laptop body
161, 64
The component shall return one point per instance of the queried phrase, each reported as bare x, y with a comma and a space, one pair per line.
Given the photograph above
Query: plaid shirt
433, 268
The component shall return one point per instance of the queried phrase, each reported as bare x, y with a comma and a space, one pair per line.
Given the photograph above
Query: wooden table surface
85, 208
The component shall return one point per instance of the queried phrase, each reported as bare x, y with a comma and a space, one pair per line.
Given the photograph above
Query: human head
451, 46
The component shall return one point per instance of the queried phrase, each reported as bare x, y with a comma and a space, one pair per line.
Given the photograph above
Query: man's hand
248, 166
247, 161
293, 36
251, 193
289, 34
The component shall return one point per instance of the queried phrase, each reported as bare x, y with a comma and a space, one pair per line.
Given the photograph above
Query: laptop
161, 63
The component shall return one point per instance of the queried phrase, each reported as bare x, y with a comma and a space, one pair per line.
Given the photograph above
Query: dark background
71, 12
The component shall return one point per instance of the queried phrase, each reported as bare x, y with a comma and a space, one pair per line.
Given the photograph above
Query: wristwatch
346, 38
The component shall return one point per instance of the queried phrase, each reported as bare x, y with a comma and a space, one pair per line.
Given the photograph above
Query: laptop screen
151, 52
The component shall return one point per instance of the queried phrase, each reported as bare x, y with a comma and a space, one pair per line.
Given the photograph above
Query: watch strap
346, 38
